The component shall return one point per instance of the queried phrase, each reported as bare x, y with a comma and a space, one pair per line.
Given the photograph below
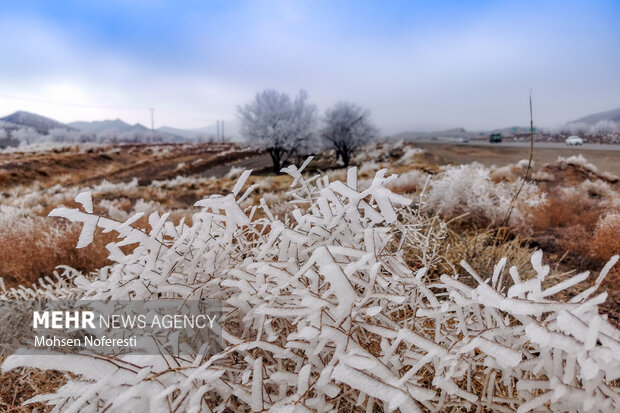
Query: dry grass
34, 245
19, 385
481, 249
566, 211
606, 239
27, 256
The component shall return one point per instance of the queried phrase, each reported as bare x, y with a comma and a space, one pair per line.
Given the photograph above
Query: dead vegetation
19, 385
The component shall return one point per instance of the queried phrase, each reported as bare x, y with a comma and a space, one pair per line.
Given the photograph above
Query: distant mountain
37, 122
100, 126
231, 131
610, 115
182, 133
43, 125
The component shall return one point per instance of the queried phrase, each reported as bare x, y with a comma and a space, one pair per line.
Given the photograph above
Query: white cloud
474, 71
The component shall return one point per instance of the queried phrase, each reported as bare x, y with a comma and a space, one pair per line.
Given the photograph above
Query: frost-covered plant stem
321, 316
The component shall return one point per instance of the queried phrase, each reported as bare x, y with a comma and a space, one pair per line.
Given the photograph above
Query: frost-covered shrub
598, 189
321, 316
410, 181
146, 206
410, 153
541, 175
581, 161
469, 189
177, 181
378, 152
234, 172
112, 188
369, 168
115, 208
509, 172
577, 160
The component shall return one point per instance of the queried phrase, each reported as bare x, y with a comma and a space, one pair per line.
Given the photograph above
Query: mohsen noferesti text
53, 341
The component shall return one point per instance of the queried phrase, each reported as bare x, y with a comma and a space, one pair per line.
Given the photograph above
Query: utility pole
152, 123
222, 139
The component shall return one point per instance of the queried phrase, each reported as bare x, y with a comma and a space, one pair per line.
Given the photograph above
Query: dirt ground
87, 166
606, 161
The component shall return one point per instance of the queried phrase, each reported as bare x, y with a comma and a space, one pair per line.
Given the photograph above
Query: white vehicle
574, 140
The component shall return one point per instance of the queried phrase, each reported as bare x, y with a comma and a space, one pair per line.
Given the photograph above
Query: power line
109, 107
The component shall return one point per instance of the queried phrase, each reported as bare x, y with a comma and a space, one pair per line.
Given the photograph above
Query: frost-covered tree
64, 135
26, 136
4, 139
275, 122
347, 127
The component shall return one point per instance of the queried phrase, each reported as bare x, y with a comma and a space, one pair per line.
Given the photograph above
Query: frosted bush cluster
323, 314
235, 172
378, 152
511, 171
410, 180
59, 286
580, 127
469, 189
578, 160
410, 153
177, 181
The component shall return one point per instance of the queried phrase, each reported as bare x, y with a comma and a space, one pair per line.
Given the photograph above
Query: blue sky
415, 65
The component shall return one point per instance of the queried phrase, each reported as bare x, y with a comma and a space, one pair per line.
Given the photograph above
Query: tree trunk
346, 158
275, 158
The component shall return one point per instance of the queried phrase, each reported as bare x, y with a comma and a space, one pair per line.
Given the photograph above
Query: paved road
606, 157
542, 145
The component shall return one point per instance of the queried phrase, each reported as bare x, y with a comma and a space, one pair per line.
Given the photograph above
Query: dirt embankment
80, 166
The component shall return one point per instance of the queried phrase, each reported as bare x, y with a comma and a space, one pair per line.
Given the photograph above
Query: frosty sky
416, 66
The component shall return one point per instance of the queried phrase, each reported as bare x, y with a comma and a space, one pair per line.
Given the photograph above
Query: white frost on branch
322, 313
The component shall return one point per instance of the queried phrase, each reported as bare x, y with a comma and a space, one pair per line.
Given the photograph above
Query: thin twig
527, 171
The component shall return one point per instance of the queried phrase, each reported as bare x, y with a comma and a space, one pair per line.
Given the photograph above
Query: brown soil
72, 166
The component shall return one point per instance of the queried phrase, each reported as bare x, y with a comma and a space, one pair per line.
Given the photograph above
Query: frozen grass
325, 314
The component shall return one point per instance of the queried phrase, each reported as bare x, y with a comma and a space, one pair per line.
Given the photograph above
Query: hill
610, 115
231, 131
100, 126
37, 122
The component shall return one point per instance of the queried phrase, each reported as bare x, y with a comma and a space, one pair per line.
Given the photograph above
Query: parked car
495, 138
574, 140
